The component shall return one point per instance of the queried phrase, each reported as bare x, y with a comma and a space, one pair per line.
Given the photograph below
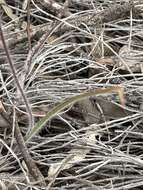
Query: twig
28, 25
13, 70
55, 7
107, 15
33, 169
89, 18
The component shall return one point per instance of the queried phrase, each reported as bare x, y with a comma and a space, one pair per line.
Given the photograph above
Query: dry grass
93, 144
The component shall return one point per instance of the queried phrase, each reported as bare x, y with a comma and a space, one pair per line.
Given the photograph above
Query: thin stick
28, 26
32, 168
13, 70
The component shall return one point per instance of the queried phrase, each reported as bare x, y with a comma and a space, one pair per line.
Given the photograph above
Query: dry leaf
24, 5
131, 58
78, 155
3, 122
106, 61
8, 10
10, 14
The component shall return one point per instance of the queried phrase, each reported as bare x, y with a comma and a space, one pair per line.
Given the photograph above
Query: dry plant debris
56, 56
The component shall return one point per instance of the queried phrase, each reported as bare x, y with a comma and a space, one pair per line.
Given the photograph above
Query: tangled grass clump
56, 57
